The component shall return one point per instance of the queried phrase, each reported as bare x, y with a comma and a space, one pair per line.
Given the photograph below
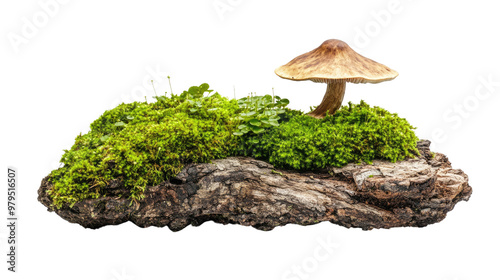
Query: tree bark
331, 101
414, 192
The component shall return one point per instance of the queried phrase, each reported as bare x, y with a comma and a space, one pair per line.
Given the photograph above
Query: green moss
276, 172
143, 144
356, 133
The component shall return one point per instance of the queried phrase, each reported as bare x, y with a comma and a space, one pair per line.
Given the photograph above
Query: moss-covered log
238, 190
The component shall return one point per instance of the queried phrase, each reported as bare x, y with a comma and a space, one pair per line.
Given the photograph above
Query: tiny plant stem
331, 101
153, 86
273, 96
256, 103
251, 100
171, 92
234, 90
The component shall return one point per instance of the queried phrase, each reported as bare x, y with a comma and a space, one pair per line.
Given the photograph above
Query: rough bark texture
414, 192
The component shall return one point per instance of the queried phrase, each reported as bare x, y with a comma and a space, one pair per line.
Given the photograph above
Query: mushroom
334, 63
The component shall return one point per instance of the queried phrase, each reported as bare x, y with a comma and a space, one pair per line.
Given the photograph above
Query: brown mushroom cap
335, 60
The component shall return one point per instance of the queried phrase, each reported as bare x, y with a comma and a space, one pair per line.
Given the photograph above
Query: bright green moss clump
143, 144
355, 133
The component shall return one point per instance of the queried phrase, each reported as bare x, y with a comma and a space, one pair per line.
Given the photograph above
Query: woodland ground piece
239, 190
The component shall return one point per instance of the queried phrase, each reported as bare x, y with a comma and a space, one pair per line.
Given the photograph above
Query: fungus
334, 63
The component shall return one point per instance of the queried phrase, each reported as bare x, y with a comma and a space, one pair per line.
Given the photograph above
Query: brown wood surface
414, 192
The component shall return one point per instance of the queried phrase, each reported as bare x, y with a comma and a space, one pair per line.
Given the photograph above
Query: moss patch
143, 144
355, 133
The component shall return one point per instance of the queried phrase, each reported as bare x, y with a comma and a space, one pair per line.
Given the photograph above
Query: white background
63, 65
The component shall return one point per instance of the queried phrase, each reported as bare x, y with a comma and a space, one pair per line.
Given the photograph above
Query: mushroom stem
331, 101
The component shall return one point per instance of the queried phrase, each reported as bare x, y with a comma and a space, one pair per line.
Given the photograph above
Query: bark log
414, 192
